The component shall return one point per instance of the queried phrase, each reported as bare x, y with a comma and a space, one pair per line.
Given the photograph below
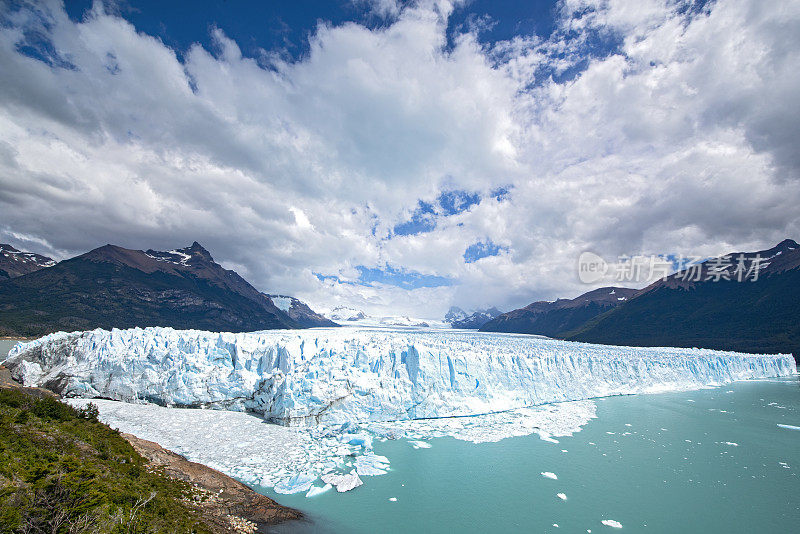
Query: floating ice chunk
611, 523
546, 437
371, 464
295, 484
561, 496
548, 474
316, 490
731, 443
789, 427
420, 444
555, 525
344, 482
361, 439
393, 499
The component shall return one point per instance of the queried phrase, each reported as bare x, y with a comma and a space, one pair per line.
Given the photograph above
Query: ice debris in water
611, 523
562, 496
548, 474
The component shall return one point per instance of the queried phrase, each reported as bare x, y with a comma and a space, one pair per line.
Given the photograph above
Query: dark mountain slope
757, 314
553, 318
116, 287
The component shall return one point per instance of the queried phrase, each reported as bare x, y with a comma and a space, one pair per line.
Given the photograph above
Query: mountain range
117, 287
709, 307
553, 318
709, 304
743, 301
458, 318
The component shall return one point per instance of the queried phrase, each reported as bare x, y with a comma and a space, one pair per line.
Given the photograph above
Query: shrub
63, 471
90, 412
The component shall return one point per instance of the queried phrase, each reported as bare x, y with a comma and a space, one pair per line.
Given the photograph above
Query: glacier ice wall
363, 375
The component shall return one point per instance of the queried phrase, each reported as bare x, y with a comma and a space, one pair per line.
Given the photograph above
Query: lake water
710, 461
5, 346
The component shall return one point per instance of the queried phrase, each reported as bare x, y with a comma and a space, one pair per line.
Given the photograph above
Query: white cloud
682, 141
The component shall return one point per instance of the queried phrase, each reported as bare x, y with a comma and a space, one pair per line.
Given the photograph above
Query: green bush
63, 472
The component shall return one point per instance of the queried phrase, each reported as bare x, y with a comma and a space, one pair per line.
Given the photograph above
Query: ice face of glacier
335, 376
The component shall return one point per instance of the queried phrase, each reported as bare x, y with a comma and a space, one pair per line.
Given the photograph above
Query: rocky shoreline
229, 504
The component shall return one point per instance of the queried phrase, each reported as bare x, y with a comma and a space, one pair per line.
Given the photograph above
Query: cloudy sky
402, 157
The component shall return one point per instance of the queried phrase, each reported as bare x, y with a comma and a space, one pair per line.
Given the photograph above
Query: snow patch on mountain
282, 303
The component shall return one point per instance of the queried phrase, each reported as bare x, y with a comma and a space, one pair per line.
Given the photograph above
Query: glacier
362, 375
335, 392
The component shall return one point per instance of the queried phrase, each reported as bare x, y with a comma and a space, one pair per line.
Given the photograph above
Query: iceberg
342, 482
363, 375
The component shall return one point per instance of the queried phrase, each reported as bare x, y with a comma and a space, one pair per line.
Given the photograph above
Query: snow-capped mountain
364, 374
345, 313
14, 263
458, 318
455, 314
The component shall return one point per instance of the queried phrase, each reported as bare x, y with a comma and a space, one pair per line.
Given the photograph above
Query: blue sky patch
425, 215
422, 220
391, 276
480, 250
454, 202
400, 278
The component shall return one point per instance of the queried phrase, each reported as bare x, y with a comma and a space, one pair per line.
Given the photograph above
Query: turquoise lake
708, 461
